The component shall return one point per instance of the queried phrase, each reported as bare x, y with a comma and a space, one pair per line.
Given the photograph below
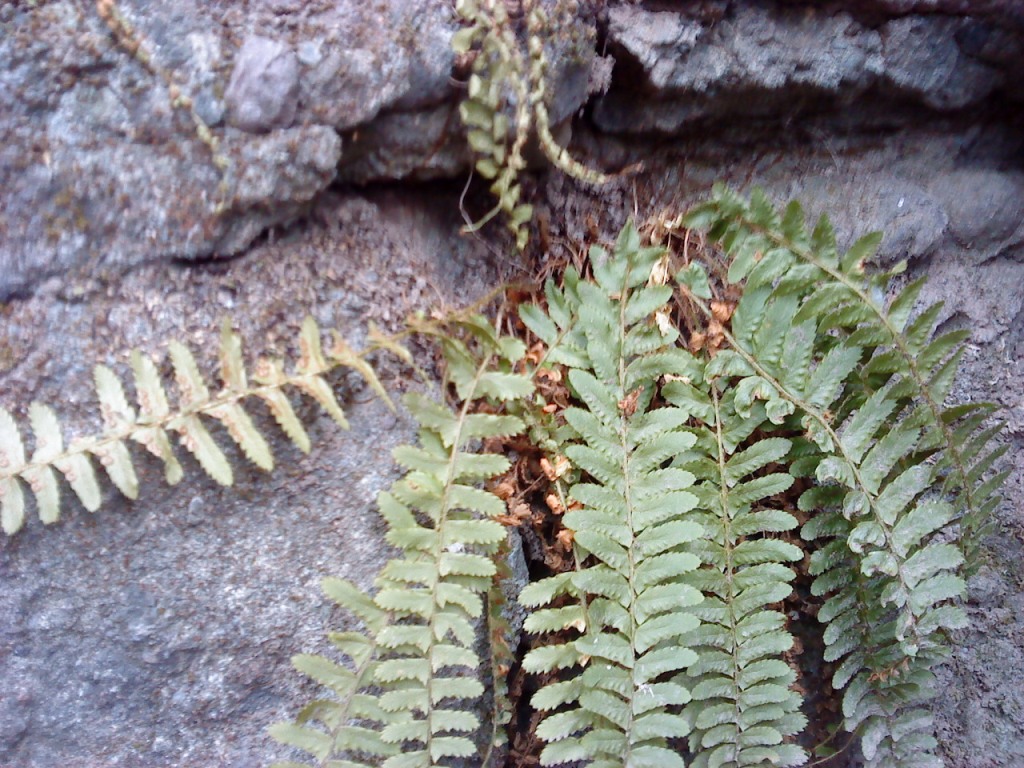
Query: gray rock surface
158, 633
923, 58
757, 59
98, 165
985, 206
263, 92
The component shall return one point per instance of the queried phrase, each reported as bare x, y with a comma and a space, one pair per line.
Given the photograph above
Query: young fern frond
499, 78
743, 705
432, 593
627, 600
538, 27
812, 333
151, 424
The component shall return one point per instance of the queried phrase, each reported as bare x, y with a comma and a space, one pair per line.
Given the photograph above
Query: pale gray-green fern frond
837, 291
350, 722
424, 658
509, 77
499, 79
154, 420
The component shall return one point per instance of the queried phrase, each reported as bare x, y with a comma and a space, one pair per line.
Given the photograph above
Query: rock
923, 58
159, 632
985, 208
105, 168
418, 145
771, 59
424, 138
1008, 12
912, 220
141, 635
264, 89
754, 61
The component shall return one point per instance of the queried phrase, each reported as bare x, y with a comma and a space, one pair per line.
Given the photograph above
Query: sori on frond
151, 421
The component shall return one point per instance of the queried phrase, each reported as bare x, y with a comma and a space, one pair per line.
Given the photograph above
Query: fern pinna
150, 426
408, 692
867, 384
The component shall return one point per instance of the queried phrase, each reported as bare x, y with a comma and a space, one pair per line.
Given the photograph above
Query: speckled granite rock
756, 59
159, 632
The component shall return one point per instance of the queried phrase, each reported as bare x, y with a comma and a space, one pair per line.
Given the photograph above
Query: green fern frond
743, 706
867, 386
498, 79
894, 344
425, 658
154, 420
627, 601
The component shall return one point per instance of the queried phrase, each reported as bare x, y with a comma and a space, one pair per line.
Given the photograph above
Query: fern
151, 424
407, 670
843, 297
743, 705
508, 78
678, 496
867, 384
626, 600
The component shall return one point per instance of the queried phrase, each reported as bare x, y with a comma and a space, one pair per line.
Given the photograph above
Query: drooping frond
627, 602
868, 386
509, 78
425, 662
498, 79
743, 706
152, 420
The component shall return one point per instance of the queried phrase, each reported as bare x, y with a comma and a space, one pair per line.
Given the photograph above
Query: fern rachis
634, 526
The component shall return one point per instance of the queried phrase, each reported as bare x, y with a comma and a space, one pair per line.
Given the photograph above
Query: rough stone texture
96, 165
83, 123
264, 90
923, 58
158, 633
987, 207
761, 58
